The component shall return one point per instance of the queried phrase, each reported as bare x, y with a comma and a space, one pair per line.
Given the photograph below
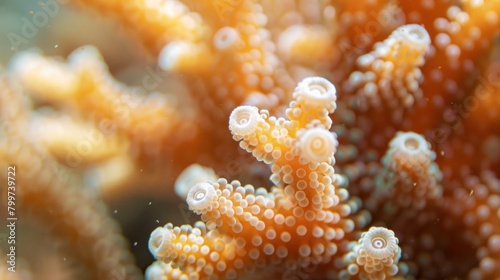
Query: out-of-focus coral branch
45, 189
423, 67
155, 22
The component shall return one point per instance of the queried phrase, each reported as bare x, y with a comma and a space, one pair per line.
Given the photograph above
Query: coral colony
307, 219
375, 122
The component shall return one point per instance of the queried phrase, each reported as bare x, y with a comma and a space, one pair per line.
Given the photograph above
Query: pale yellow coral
390, 75
156, 22
305, 44
74, 142
300, 221
252, 53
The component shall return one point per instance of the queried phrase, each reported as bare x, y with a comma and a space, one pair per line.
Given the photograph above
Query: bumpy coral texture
301, 222
414, 138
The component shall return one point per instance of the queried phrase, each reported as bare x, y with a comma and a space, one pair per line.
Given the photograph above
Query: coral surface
294, 139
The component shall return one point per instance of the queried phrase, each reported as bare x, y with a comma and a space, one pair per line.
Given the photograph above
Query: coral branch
300, 222
75, 213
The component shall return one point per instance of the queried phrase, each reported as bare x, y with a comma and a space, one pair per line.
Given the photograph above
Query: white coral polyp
193, 174
416, 34
200, 197
244, 120
317, 145
379, 244
160, 242
316, 92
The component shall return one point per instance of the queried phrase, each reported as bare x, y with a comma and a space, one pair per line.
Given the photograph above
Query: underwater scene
243, 139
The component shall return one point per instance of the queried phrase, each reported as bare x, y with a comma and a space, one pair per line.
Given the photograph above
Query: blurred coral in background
231, 139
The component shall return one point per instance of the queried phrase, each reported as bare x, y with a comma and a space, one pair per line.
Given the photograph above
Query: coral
409, 172
376, 255
193, 174
302, 221
118, 118
372, 122
391, 71
75, 214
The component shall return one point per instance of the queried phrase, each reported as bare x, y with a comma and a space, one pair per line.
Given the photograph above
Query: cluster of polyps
299, 222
